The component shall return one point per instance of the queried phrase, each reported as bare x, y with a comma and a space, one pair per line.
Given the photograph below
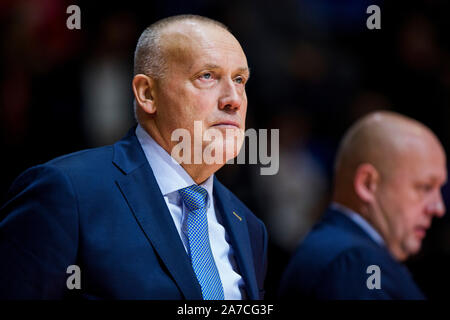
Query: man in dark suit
388, 175
136, 223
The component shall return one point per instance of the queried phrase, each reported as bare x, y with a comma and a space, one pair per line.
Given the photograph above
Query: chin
230, 152
413, 247
224, 148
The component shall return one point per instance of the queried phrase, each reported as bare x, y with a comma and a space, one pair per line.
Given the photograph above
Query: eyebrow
245, 70
436, 179
210, 66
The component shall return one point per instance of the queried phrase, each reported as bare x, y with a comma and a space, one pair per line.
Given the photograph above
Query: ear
366, 182
143, 88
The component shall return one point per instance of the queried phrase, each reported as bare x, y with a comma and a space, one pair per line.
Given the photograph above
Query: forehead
192, 45
423, 158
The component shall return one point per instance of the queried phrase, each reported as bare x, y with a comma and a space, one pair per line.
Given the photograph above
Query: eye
206, 76
239, 80
426, 188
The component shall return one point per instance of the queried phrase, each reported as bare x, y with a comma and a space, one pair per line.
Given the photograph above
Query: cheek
201, 106
414, 206
409, 212
395, 210
243, 109
178, 108
242, 112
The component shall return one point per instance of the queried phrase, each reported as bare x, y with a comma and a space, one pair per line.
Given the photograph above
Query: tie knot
194, 197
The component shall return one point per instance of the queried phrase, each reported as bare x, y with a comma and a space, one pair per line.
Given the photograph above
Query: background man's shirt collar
360, 221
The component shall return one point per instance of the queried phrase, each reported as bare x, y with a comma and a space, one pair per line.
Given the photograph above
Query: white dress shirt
360, 221
171, 177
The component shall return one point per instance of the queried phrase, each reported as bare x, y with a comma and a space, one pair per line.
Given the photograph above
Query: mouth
227, 124
421, 231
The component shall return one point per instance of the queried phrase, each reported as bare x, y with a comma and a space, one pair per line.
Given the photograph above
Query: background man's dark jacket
332, 262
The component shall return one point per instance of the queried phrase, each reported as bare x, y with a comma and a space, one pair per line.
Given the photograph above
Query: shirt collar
360, 221
169, 174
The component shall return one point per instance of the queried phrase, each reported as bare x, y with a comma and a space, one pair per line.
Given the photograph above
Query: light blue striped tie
195, 199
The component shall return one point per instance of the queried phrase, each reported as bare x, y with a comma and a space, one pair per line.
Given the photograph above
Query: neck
198, 172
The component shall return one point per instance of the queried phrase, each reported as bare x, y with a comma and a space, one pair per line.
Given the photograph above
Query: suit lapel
141, 191
237, 228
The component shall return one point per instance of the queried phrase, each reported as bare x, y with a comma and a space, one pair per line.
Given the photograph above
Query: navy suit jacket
102, 209
332, 261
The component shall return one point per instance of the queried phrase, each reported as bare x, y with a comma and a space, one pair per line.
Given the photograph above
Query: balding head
150, 54
380, 138
390, 169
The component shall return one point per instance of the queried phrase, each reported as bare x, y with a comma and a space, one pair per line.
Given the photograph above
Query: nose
231, 97
437, 207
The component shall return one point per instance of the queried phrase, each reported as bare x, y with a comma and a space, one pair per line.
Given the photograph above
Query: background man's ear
366, 182
143, 88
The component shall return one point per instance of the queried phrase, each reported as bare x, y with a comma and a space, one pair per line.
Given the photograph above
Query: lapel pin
240, 219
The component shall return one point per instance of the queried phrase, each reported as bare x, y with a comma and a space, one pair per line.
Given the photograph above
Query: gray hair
148, 56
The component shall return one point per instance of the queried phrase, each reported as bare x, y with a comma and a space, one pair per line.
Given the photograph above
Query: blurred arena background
315, 69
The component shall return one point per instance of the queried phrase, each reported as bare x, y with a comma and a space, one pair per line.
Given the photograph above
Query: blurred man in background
137, 223
388, 177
